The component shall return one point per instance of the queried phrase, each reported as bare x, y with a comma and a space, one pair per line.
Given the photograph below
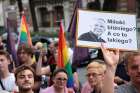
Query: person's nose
26, 78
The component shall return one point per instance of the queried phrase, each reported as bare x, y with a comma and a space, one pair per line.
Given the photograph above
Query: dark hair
58, 71
130, 58
6, 54
26, 48
22, 68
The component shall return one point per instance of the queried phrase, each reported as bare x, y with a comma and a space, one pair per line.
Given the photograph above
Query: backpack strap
2, 85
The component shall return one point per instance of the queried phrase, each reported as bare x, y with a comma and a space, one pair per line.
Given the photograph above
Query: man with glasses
95, 76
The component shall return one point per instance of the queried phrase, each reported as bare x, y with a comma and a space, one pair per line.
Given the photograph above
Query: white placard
115, 30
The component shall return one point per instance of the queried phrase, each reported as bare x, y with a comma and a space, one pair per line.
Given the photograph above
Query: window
44, 17
58, 15
138, 8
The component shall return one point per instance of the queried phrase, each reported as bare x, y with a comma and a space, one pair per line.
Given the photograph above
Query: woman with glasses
95, 76
60, 78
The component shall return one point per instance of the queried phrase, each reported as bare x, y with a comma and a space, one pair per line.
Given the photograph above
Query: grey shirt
126, 88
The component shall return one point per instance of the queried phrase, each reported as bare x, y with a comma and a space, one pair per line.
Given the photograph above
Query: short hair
39, 45
58, 71
6, 54
22, 68
97, 64
130, 58
26, 48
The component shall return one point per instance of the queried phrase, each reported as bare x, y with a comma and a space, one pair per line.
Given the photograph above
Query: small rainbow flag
63, 56
24, 37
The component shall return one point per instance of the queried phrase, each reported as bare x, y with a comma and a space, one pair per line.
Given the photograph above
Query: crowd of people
37, 71
41, 75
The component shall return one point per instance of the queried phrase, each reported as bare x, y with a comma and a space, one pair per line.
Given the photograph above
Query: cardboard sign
114, 30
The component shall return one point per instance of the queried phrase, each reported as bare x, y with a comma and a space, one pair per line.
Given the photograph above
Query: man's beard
25, 89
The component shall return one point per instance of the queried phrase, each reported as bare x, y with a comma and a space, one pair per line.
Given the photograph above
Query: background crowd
37, 71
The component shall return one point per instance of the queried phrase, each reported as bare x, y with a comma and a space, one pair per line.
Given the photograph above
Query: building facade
48, 13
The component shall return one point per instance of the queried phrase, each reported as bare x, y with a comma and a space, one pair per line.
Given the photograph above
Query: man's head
95, 72
4, 60
99, 27
52, 47
24, 53
24, 78
39, 45
133, 66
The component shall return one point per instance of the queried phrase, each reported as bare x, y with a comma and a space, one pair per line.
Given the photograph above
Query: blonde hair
97, 64
39, 45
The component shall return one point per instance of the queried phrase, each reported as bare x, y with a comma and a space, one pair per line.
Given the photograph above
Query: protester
25, 54
39, 46
132, 67
60, 78
25, 79
51, 53
95, 75
48, 70
7, 79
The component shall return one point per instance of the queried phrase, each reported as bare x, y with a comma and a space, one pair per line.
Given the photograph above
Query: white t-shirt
3, 91
9, 83
70, 54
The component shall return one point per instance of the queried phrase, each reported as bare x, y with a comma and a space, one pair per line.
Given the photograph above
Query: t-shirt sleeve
123, 89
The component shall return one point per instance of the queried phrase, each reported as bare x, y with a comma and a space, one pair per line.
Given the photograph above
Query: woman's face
95, 77
60, 80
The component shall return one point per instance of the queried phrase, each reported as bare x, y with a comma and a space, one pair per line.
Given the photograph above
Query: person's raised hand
111, 57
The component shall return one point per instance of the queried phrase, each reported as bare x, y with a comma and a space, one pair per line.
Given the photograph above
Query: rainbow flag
24, 37
63, 56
